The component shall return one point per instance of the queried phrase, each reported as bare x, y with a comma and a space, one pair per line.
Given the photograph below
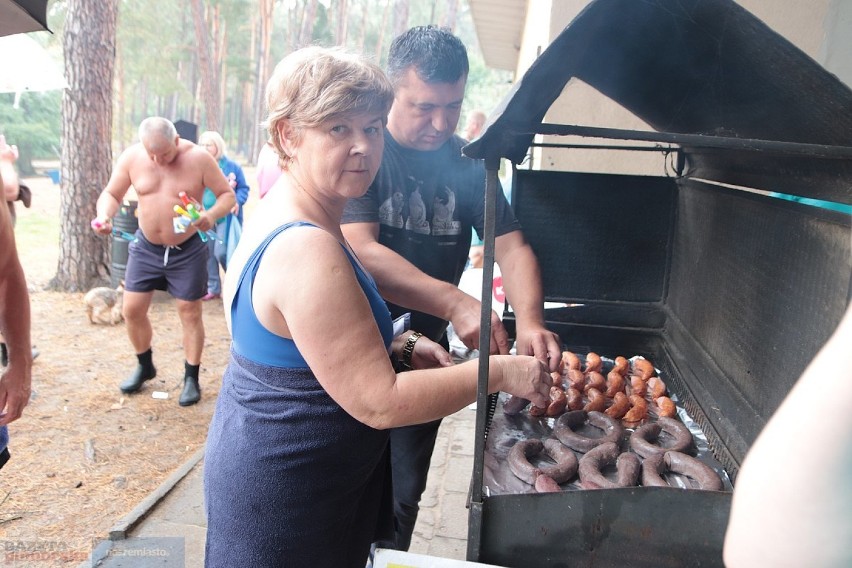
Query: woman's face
340, 157
208, 145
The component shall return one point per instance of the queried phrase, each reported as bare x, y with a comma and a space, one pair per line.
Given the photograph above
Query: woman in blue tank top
297, 467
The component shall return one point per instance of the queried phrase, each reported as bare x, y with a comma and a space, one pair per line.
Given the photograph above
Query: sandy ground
83, 454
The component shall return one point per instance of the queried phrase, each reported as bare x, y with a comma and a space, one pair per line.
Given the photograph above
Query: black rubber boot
136, 379
191, 392
144, 371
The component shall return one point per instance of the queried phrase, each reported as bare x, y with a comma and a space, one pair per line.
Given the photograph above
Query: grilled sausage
520, 454
563, 429
620, 406
622, 366
575, 399
514, 405
638, 410
597, 401
577, 379
666, 407
655, 466
644, 369
637, 385
546, 484
519, 459
657, 387
593, 362
537, 411
627, 464
595, 380
566, 461
614, 383
558, 402
570, 360
695, 469
642, 440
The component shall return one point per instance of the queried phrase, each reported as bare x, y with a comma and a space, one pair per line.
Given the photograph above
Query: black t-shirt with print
426, 204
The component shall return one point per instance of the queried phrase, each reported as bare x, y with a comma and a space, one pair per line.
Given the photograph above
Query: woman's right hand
521, 375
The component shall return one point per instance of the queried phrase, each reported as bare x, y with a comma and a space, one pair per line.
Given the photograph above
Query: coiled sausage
642, 440
655, 466
627, 464
563, 429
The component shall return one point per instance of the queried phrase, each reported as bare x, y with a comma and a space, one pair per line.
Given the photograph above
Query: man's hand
428, 354
15, 385
541, 343
465, 318
204, 223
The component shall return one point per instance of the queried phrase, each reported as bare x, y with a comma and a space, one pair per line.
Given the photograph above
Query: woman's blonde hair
315, 84
217, 140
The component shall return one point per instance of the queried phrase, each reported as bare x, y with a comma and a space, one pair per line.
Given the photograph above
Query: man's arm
16, 380
214, 179
8, 156
404, 284
522, 284
113, 194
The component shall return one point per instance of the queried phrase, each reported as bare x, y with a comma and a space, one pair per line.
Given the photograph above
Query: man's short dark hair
436, 54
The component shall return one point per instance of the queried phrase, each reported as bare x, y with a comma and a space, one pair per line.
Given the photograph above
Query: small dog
103, 305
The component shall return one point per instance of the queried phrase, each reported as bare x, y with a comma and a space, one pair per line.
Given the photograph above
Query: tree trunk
89, 53
208, 71
380, 40
308, 19
262, 73
342, 21
400, 16
451, 15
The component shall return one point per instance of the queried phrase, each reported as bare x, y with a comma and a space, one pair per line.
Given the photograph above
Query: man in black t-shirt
412, 229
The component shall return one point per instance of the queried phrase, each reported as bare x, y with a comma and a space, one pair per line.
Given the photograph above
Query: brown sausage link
592, 463
652, 471
641, 441
693, 468
537, 411
558, 402
575, 399
577, 379
614, 383
566, 461
570, 360
593, 362
637, 385
644, 369
638, 410
622, 365
620, 406
514, 405
657, 387
597, 401
629, 466
546, 484
519, 459
666, 407
563, 429
595, 380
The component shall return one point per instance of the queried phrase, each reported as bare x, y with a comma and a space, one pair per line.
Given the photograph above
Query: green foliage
34, 127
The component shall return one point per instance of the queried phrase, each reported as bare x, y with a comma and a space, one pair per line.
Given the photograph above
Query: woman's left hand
428, 354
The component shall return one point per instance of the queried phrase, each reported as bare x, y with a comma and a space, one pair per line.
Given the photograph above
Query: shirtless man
159, 167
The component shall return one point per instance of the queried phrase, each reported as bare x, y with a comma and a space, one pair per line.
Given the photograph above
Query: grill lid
694, 67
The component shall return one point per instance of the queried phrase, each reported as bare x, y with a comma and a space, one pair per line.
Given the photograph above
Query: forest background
202, 61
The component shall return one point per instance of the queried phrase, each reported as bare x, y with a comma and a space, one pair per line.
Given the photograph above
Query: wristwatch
408, 349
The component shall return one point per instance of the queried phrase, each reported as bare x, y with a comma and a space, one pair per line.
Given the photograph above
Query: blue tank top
253, 341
